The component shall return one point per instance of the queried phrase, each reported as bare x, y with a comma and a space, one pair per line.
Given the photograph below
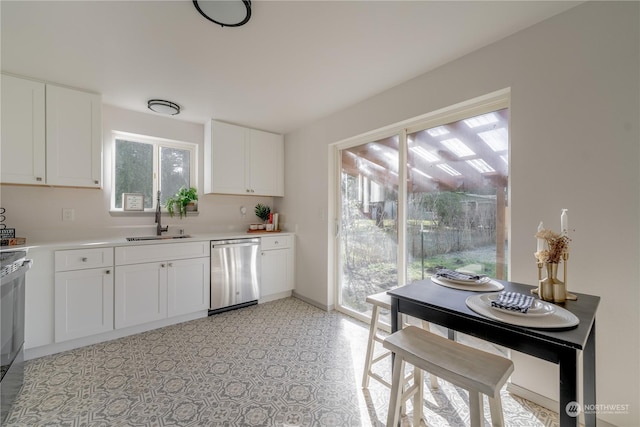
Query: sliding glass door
452, 212
457, 197
368, 234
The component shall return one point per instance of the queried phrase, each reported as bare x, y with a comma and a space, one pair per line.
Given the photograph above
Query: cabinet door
140, 294
23, 131
39, 314
188, 286
83, 303
266, 164
74, 140
277, 274
225, 157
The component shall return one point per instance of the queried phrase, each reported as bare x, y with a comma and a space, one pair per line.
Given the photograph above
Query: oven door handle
26, 265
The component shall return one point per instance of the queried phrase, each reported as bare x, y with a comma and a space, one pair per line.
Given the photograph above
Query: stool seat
474, 370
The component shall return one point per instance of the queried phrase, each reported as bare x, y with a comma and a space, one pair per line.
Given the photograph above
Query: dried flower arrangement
557, 246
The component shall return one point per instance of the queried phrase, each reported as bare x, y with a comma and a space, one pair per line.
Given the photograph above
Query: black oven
14, 265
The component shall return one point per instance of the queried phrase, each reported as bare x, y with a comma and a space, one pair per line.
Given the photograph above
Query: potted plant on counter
182, 202
263, 212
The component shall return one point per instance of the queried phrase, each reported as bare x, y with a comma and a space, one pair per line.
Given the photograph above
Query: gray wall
574, 82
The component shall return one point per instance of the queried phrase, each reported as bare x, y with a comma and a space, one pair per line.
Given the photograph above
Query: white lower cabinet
140, 293
277, 267
188, 286
172, 283
83, 296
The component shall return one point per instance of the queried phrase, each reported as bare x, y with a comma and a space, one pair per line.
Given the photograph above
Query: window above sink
145, 165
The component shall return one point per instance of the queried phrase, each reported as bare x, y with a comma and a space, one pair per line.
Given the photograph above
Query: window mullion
157, 185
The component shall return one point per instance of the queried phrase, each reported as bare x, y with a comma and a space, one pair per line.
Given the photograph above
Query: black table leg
589, 377
569, 406
395, 321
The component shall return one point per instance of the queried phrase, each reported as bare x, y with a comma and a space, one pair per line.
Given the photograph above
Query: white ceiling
293, 63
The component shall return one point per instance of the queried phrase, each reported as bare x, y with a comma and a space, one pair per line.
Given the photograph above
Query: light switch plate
68, 214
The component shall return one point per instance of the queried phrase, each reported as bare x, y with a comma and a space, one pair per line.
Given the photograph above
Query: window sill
121, 213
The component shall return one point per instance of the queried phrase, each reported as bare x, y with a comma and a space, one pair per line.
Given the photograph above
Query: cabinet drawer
162, 252
275, 242
80, 259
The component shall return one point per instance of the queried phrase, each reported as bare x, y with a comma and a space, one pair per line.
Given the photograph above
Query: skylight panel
428, 156
448, 169
458, 147
438, 131
482, 120
496, 139
391, 156
480, 165
419, 172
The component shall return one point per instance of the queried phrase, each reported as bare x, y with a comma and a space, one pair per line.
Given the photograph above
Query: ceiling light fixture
226, 13
163, 107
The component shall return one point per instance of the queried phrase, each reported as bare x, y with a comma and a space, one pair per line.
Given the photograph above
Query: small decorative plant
180, 201
263, 212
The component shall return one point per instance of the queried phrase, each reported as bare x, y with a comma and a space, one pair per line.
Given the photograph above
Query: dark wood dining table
446, 307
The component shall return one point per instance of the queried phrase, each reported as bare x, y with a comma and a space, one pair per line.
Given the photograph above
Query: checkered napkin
456, 275
513, 301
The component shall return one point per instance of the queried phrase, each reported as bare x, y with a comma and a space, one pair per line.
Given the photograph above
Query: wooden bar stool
380, 301
476, 371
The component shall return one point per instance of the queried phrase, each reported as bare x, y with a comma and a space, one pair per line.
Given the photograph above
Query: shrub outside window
147, 165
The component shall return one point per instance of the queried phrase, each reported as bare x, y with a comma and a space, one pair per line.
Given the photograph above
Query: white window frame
157, 143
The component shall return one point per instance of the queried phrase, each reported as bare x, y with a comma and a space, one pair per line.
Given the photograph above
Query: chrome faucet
159, 227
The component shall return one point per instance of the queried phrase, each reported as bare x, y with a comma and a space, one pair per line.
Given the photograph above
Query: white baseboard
273, 297
312, 302
545, 402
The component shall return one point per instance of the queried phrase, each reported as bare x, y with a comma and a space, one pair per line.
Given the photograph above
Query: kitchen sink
135, 239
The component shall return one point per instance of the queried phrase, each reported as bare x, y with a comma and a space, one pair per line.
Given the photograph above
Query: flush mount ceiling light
163, 107
226, 13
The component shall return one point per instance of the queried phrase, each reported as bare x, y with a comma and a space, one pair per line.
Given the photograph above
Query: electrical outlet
68, 214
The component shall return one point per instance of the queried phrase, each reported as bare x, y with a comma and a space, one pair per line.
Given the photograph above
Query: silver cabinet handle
170, 264
84, 259
107, 272
162, 265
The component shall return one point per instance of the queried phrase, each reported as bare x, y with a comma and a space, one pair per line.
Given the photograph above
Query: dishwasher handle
234, 243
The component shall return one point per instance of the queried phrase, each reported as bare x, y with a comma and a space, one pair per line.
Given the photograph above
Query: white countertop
122, 241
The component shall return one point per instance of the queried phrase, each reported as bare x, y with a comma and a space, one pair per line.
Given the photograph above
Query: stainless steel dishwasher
235, 273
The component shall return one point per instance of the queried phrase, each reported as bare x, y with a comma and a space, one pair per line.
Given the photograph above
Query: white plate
489, 286
560, 318
480, 281
538, 308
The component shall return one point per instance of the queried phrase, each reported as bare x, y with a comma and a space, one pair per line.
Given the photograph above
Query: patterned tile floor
284, 363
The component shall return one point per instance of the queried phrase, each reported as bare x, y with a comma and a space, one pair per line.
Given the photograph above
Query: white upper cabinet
23, 130
74, 140
51, 135
245, 161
